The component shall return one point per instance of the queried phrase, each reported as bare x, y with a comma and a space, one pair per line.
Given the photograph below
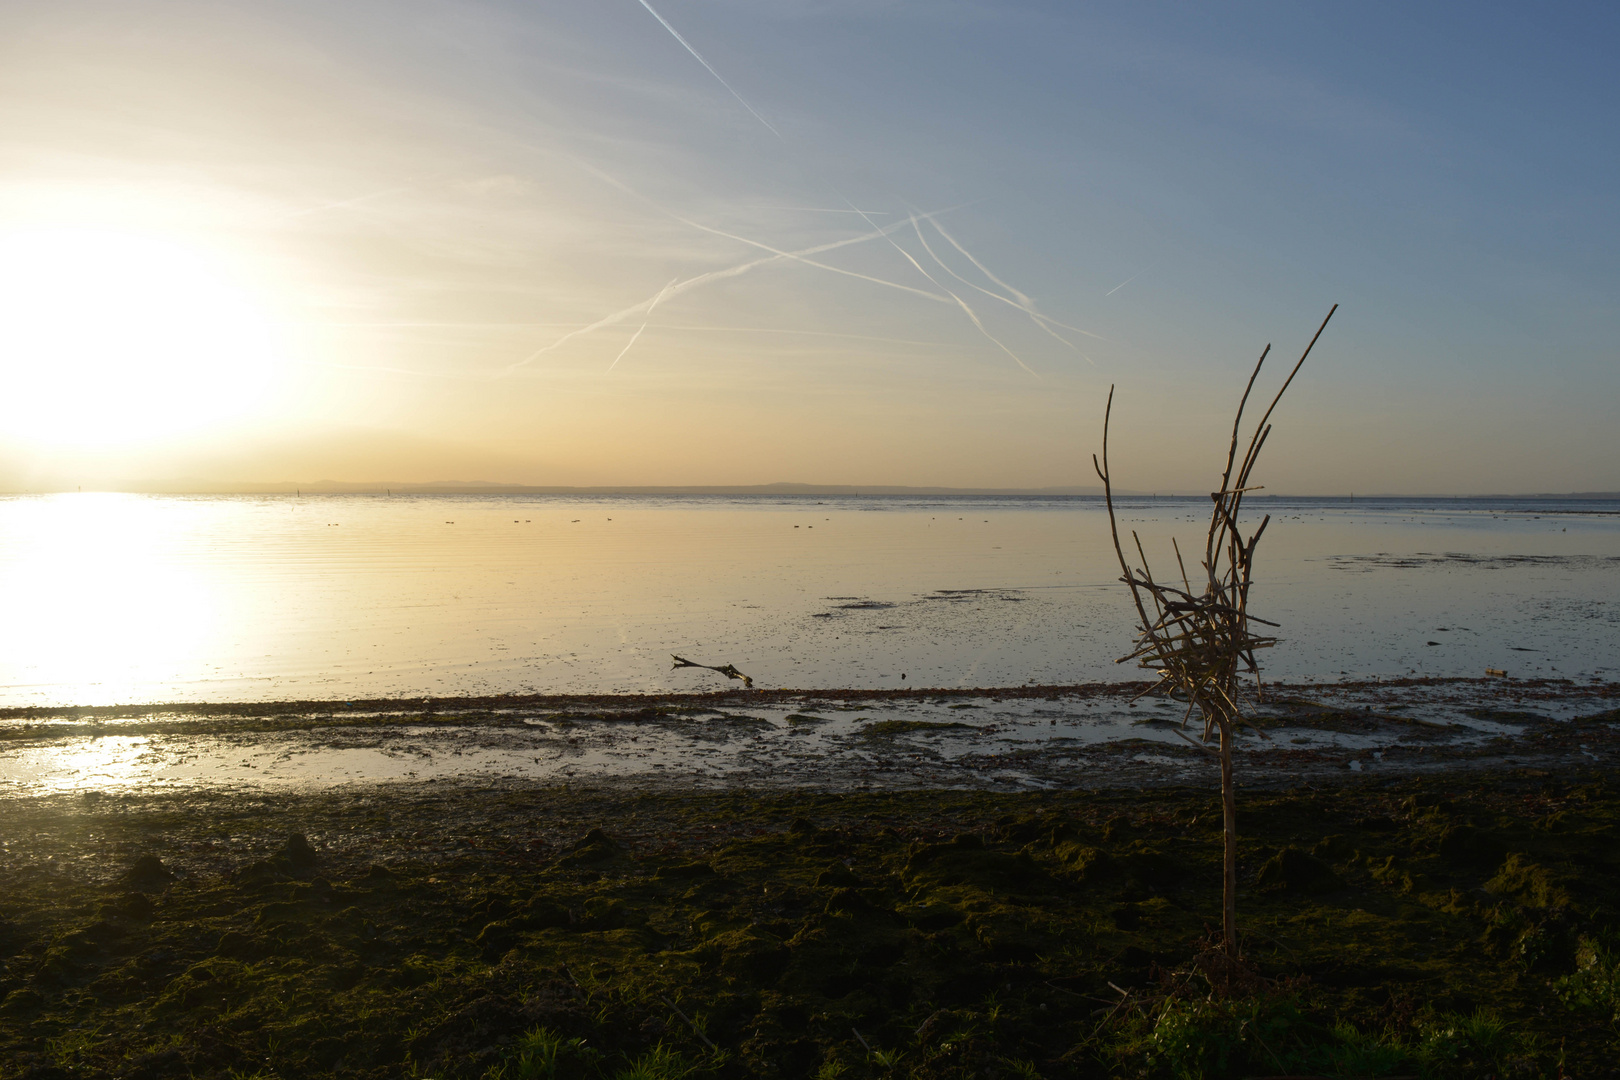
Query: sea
143, 599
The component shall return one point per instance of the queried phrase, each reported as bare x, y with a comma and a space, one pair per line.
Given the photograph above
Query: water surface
131, 599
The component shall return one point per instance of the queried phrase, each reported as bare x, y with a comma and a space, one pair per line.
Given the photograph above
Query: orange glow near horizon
112, 339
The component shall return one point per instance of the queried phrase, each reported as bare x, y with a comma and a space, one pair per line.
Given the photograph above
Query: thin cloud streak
810, 333
825, 210
637, 334
703, 279
798, 257
1023, 300
1126, 282
1027, 304
974, 285
632, 341
963, 304
699, 57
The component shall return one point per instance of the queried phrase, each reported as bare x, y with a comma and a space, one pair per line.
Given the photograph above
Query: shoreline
1524, 688
1095, 736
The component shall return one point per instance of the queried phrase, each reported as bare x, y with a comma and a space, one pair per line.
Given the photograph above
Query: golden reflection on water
123, 599
98, 597
114, 599
106, 762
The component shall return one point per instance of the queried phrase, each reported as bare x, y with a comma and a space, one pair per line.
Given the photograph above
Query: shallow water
1098, 736
130, 599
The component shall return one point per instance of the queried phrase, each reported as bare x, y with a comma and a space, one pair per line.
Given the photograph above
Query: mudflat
1100, 735
1456, 920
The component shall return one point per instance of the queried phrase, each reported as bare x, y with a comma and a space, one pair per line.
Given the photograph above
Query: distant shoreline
479, 487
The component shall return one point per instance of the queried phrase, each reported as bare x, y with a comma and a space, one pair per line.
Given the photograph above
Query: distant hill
481, 487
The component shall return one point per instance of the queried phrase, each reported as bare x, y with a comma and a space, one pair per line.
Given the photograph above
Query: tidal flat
1452, 916
1099, 735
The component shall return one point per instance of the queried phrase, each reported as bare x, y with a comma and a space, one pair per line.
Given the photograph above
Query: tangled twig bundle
1199, 641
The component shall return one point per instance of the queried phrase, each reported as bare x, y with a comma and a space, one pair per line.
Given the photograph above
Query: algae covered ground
1420, 927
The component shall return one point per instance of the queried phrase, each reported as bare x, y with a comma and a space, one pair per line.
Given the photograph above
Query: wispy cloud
699, 57
1026, 308
933, 219
963, 304
791, 332
826, 210
679, 287
1024, 302
634, 337
1126, 282
880, 231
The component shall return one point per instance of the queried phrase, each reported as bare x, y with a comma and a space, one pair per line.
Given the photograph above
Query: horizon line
491, 487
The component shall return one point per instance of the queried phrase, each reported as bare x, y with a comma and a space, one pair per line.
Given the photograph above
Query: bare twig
1205, 747
1200, 643
689, 1023
728, 670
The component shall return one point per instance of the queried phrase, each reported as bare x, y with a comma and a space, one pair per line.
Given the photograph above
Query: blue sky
508, 241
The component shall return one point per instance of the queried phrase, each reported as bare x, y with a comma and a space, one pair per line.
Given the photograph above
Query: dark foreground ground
1422, 926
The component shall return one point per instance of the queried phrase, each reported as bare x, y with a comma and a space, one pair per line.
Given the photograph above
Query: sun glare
113, 338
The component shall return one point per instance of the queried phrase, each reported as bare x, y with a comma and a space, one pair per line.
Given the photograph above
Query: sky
609, 242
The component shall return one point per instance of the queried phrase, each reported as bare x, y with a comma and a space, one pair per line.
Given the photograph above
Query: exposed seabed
1018, 738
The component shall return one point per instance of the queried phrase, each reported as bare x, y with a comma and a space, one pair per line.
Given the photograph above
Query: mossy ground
456, 932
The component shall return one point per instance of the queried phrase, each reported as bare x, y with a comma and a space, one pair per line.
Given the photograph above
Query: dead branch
728, 670
1199, 644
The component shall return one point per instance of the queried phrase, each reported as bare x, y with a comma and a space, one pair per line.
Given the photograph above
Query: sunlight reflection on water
123, 598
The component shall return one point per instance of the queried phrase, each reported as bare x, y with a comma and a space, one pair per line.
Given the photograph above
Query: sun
112, 338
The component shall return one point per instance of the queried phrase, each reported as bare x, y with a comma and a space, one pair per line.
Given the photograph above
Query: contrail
643, 326
703, 279
1028, 305
799, 256
811, 333
963, 304
627, 345
1025, 303
1126, 282
699, 56
1027, 310
824, 210
883, 230
796, 255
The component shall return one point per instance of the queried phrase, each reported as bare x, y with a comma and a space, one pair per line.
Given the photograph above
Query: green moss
463, 933
1527, 882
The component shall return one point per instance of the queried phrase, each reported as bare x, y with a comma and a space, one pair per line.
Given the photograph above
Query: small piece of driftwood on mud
728, 670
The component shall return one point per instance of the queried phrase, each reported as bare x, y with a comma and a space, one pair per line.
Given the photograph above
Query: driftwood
728, 670
1199, 640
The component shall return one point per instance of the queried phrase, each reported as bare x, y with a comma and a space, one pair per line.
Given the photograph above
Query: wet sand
1100, 735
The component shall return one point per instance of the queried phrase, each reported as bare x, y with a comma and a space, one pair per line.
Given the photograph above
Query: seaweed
887, 729
1442, 926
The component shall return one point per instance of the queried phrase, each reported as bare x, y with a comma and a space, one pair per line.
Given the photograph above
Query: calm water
113, 598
